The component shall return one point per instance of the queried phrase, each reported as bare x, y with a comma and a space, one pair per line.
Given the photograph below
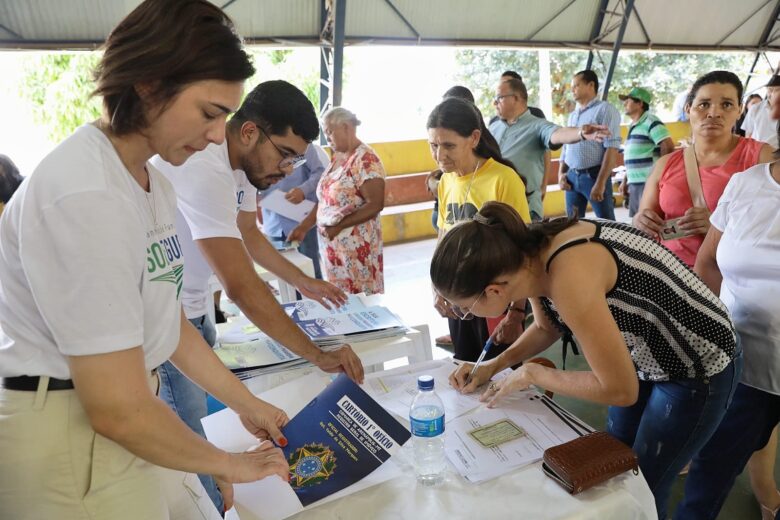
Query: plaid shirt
587, 154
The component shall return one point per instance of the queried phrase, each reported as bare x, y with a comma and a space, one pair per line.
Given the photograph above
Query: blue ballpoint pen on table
480, 359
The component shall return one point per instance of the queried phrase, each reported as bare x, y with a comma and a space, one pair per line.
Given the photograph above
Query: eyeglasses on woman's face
468, 314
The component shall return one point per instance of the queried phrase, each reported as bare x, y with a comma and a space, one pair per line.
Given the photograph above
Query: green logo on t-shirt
160, 255
175, 276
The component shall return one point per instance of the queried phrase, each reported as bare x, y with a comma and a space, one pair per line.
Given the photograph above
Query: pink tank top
675, 198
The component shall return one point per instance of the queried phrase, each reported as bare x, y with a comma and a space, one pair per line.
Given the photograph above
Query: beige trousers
54, 466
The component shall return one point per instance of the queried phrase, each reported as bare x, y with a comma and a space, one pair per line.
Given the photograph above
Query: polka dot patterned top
674, 326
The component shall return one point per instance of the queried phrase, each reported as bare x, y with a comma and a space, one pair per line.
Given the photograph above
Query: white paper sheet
527, 410
276, 202
395, 389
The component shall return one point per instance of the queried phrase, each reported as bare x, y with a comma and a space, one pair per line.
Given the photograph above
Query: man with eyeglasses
216, 191
525, 139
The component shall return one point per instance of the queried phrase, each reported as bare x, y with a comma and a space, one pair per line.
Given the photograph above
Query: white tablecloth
526, 493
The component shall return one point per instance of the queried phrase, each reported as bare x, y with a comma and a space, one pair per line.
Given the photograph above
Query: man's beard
258, 180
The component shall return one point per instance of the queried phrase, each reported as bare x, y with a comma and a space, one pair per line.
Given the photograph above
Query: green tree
59, 87
664, 74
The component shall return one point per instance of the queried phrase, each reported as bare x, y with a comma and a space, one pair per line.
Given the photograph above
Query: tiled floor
408, 293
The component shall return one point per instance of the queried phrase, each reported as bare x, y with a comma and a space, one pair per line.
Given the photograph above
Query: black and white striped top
674, 326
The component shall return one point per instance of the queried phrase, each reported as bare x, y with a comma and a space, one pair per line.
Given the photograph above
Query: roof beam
629, 7
12, 33
548, 22
227, 4
403, 19
642, 25
595, 30
763, 40
735, 29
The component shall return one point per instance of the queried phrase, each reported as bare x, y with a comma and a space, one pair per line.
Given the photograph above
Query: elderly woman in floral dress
351, 195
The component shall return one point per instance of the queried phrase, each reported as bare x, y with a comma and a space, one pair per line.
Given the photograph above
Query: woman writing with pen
662, 350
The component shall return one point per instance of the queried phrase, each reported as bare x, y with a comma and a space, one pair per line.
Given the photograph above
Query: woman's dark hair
276, 106
10, 179
716, 76
459, 91
165, 44
463, 117
746, 103
474, 253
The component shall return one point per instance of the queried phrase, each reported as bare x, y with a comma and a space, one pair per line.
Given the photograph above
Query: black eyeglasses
288, 159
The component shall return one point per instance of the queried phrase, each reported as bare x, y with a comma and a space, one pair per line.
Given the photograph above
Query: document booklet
338, 443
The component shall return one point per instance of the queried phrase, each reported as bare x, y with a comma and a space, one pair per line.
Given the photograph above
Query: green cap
638, 93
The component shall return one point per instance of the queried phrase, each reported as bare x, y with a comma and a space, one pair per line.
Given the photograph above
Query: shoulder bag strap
694, 179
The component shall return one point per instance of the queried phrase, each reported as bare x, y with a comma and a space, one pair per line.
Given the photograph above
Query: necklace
459, 216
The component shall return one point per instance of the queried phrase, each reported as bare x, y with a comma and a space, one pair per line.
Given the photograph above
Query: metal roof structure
683, 25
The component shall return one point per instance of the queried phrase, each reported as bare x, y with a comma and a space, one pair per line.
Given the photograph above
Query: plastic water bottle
427, 421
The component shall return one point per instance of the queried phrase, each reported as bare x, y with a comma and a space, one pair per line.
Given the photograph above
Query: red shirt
675, 198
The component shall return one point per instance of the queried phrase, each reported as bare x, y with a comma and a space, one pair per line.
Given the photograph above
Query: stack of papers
354, 321
248, 352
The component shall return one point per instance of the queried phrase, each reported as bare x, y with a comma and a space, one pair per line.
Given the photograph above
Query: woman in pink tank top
713, 108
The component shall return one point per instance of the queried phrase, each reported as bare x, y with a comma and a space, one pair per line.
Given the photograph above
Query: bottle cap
425, 382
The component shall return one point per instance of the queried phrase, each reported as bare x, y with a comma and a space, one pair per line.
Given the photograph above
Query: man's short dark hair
10, 179
517, 87
511, 74
459, 91
276, 106
588, 76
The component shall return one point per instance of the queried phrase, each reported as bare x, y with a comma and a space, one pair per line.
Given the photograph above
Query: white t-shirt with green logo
89, 262
210, 193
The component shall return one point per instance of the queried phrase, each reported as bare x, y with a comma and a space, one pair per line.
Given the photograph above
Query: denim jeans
310, 248
635, 192
670, 422
579, 196
747, 426
188, 400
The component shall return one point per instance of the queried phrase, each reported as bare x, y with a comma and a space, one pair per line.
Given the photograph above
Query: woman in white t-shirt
740, 261
90, 281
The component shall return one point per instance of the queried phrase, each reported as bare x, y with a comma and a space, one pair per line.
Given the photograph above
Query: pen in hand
480, 359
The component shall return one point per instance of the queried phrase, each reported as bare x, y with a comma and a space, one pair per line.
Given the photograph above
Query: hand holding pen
467, 375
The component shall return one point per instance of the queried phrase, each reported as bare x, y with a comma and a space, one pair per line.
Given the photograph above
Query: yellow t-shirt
461, 197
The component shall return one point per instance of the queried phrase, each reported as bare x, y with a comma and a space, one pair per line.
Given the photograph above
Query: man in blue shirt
300, 185
586, 167
524, 139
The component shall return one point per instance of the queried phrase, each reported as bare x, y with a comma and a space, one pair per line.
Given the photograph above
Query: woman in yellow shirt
475, 173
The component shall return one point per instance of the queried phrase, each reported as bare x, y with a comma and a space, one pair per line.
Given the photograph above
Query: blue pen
480, 359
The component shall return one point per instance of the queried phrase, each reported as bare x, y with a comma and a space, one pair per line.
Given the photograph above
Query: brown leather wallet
589, 460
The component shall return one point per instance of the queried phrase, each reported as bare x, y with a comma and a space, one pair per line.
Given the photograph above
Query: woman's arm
535, 339
706, 262
579, 294
114, 390
649, 218
373, 192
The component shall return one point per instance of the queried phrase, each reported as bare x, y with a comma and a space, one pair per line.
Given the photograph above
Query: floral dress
353, 259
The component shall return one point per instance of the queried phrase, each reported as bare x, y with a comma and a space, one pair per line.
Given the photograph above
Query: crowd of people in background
676, 312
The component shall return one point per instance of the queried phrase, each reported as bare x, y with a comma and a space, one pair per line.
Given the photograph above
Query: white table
524, 493
302, 262
415, 346
286, 291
